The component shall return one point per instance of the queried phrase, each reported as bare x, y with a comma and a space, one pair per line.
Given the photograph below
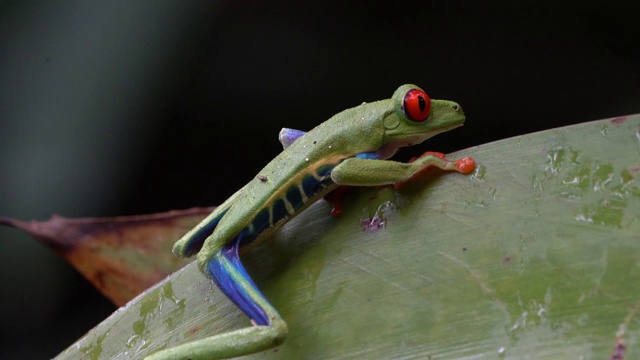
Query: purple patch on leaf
379, 220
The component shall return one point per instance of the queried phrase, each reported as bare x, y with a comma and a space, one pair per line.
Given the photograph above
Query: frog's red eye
416, 105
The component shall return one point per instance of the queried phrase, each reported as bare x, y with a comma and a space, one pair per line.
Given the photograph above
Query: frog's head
416, 117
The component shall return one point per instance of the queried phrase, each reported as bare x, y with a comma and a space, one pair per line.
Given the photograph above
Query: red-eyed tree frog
350, 148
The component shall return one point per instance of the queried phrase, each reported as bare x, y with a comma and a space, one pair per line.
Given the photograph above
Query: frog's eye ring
416, 105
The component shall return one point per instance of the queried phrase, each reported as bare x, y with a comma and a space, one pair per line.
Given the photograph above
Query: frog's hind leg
191, 242
231, 277
268, 330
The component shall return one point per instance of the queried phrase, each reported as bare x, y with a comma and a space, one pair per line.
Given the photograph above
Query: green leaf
535, 255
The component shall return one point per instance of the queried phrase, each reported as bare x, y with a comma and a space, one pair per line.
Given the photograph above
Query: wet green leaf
535, 255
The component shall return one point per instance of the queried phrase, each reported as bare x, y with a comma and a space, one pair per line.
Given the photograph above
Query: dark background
119, 108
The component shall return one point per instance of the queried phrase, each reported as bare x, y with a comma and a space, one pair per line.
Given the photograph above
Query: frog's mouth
424, 136
390, 148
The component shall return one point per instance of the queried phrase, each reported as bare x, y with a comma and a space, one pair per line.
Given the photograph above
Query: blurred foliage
121, 256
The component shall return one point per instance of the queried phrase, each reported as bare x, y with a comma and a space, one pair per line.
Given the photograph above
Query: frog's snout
457, 112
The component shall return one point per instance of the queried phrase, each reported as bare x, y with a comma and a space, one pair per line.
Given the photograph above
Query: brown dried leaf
121, 256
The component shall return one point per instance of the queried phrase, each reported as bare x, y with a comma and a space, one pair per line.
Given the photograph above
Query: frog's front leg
365, 172
464, 166
269, 328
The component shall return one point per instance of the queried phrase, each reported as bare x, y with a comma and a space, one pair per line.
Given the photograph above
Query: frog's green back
300, 174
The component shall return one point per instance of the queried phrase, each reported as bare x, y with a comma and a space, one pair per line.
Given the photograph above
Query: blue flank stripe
279, 210
260, 222
269, 216
309, 185
324, 170
294, 197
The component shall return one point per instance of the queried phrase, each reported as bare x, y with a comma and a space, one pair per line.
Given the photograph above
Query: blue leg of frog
229, 274
232, 279
269, 328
